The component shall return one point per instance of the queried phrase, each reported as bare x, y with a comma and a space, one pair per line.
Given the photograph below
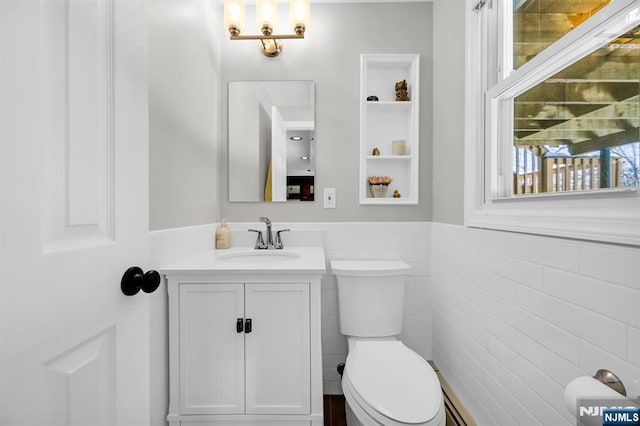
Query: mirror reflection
271, 141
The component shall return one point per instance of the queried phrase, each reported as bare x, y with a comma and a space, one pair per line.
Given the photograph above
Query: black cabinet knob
135, 280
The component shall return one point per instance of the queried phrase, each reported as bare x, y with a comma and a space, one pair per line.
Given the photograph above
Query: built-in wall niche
389, 129
271, 140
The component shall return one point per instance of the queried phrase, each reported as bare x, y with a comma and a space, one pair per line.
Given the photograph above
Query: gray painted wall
190, 62
330, 55
448, 116
183, 112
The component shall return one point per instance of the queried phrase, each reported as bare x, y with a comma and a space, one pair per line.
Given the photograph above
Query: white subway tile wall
408, 241
516, 317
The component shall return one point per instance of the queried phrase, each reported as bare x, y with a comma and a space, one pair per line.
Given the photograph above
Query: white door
278, 156
73, 212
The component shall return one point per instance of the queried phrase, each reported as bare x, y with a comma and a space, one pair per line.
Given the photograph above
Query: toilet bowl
384, 382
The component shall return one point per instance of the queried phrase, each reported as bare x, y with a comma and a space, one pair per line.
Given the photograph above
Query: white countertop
246, 260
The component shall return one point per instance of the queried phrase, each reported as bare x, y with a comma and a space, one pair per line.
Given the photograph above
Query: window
538, 24
579, 127
553, 131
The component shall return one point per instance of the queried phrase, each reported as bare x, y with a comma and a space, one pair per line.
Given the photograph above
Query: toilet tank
370, 296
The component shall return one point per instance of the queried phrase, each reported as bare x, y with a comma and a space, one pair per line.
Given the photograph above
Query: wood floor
334, 410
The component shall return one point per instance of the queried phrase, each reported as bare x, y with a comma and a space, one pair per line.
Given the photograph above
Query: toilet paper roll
586, 387
595, 404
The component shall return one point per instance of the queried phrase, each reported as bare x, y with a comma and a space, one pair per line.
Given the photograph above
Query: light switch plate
329, 198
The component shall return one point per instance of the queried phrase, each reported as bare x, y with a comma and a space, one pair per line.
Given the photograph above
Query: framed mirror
271, 141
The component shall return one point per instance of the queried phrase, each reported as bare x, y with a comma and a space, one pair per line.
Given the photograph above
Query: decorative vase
399, 147
379, 191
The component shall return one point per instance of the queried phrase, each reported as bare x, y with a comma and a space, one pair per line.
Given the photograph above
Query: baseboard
456, 413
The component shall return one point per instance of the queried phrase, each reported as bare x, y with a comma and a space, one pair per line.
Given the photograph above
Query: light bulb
234, 16
266, 13
299, 15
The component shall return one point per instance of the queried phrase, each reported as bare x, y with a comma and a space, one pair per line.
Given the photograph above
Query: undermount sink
253, 256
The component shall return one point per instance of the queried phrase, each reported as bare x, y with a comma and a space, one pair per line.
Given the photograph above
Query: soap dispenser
223, 235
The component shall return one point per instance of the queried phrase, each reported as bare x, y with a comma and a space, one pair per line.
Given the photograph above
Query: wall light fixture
266, 13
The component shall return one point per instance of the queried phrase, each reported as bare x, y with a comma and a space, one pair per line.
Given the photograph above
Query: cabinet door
278, 349
211, 350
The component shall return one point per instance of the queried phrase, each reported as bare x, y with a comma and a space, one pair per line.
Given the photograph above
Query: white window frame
600, 215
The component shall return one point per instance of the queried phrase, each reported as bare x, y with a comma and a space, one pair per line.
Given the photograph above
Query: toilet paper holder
609, 379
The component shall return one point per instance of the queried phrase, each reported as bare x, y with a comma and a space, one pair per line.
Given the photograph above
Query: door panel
74, 212
80, 383
78, 122
211, 349
278, 349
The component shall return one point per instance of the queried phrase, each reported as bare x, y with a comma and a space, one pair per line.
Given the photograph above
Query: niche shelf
386, 120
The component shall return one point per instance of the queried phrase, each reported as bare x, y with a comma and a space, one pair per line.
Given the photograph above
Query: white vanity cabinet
262, 370
244, 348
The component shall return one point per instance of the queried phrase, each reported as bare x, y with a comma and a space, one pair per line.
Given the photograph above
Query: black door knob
135, 280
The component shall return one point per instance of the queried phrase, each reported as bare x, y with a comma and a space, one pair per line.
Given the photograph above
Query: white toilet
384, 382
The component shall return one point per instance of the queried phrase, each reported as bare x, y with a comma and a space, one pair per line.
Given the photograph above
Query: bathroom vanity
244, 338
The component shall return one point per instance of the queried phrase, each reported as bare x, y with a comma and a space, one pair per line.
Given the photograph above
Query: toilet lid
394, 380
362, 268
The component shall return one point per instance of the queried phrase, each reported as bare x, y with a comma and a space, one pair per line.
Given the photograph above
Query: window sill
611, 218
594, 193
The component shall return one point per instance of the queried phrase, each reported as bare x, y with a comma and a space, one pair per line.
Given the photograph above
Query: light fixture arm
271, 47
262, 37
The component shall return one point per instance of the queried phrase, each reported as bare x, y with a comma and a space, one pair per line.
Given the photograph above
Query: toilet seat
391, 383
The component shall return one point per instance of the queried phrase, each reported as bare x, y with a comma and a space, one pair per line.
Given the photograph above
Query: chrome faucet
267, 221
270, 243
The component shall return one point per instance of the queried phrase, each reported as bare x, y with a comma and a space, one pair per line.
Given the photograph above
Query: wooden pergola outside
589, 107
553, 173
